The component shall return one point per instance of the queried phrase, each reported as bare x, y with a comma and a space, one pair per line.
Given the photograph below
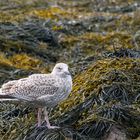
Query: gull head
61, 69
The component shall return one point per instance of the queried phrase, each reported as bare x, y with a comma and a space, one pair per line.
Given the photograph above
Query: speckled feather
44, 89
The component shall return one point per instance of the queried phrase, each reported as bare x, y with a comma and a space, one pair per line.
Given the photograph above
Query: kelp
99, 41
104, 96
18, 11
26, 38
20, 61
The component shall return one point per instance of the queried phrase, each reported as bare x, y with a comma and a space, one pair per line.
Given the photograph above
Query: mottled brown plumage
43, 90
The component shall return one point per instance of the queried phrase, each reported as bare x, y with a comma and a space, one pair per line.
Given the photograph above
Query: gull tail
4, 97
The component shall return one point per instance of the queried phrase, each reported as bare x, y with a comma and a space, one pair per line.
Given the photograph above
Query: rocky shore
100, 41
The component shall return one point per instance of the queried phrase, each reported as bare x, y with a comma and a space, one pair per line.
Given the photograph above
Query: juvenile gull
42, 90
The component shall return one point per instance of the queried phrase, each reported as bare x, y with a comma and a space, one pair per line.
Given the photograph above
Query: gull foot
53, 127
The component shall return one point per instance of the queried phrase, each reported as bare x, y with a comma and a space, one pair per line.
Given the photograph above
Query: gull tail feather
4, 97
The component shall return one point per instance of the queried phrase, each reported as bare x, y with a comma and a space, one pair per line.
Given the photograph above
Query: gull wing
32, 87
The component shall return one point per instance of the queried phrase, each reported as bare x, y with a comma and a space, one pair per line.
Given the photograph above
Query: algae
100, 42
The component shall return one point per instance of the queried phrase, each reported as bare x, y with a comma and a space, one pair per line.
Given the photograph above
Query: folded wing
30, 88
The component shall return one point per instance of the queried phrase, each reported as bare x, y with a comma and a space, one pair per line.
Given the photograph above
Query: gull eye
59, 68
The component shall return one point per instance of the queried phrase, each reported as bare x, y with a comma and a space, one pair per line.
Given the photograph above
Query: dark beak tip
67, 73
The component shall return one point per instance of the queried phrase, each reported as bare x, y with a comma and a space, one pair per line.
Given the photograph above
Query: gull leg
39, 116
47, 120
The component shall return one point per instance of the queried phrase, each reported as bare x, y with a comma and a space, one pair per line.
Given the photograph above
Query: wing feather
32, 87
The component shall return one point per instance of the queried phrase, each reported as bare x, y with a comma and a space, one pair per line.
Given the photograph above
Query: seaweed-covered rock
124, 53
104, 99
27, 37
100, 41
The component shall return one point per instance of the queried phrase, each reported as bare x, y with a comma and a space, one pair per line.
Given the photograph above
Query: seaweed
100, 42
100, 101
124, 53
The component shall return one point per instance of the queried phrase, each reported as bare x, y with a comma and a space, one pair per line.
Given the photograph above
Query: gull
41, 90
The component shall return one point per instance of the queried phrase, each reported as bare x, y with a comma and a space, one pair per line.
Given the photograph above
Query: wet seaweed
124, 53
100, 41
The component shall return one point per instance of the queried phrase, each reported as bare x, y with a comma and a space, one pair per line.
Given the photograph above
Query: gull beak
67, 73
